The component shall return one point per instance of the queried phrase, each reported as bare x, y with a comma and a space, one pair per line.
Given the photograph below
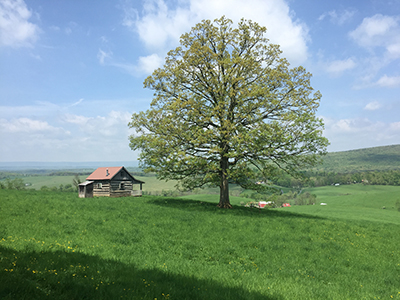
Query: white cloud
379, 35
377, 31
77, 102
350, 125
394, 50
130, 15
102, 56
348, 134
68, 137
27, 125
111, 125
149, 63
36, 110
159, 26
15, 29
373, 106
75, 119
144, 65
338, 66
339, 18
389, 81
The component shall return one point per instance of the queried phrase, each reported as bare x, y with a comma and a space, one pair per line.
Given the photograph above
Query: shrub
15, 184
305, 199
44, 188
69, 188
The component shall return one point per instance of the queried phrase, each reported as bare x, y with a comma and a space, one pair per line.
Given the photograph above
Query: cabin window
99, 185
121, 186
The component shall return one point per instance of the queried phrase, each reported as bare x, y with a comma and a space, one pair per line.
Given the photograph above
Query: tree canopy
227, 108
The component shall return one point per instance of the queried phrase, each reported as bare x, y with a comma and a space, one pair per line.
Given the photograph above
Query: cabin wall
114, 188
85, 190
121, 188
101, 188
122, 175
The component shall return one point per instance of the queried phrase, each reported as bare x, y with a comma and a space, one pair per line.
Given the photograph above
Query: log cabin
110, 182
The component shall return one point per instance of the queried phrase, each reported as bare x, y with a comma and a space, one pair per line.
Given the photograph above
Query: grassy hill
376, 158
55, 245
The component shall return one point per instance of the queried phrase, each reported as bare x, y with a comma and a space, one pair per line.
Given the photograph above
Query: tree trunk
224, 186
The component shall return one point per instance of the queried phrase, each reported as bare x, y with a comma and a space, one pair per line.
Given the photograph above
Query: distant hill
368, 159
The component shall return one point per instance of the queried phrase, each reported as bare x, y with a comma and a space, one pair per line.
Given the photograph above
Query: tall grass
57, 246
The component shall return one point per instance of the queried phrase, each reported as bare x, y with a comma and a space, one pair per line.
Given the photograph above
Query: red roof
101, 173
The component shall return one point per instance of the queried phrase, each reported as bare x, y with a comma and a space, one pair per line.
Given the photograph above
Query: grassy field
151, 182
351, 202
356, 202
54, 245
36, 182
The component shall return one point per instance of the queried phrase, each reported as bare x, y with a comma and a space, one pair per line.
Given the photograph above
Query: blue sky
71, 72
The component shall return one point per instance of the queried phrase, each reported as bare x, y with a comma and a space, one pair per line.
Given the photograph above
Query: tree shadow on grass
67, 275
202, 206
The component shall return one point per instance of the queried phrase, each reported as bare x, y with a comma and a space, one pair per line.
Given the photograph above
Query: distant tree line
19, 184
4, 175
321, 178
60, 188
68, 173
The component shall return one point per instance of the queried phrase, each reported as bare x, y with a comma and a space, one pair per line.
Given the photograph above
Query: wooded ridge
367, 159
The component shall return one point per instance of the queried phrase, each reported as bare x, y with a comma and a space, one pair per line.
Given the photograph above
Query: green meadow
37, 181
151, 182
54, 245
356, 202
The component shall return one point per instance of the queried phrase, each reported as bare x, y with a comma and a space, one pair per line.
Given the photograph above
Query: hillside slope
368, 159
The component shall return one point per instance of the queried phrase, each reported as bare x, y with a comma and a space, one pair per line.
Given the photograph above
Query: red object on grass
286, 205
262, 204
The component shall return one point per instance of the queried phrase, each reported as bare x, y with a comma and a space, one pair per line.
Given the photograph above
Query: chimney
107, 172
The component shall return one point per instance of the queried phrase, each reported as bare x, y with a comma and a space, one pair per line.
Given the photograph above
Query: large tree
227, 107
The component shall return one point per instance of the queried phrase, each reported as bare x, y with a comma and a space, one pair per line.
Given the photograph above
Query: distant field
356, 202
54, 245
151, 182
352, 202
36, 182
